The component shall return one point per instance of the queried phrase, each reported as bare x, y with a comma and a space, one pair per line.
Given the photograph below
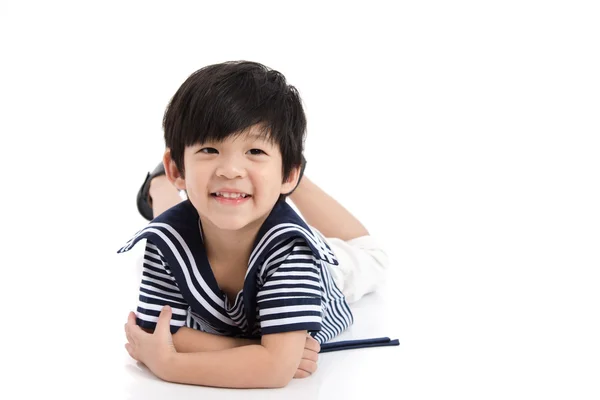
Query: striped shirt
287, 286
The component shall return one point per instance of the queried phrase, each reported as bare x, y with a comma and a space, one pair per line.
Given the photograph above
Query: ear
290, 184
172, 172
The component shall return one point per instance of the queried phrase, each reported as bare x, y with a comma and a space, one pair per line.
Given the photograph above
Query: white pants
362, 266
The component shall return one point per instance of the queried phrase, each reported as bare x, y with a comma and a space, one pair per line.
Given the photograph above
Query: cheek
195, 182
267, 182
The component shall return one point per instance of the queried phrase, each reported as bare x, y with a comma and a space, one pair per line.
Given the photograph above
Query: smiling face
233, 184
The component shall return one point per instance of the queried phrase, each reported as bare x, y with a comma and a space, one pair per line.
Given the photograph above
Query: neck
229, 247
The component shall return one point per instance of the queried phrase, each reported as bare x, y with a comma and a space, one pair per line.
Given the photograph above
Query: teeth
231, 195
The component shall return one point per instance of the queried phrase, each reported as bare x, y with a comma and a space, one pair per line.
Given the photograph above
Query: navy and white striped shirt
287, 287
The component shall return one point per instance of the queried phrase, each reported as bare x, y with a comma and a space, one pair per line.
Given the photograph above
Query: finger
308, 366
164, 320
131, 318
130, 332
130, 338
312, 344
131, 326
131, 351
301, 374
310, 355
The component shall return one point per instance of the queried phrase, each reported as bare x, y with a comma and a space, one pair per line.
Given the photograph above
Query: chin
231, 224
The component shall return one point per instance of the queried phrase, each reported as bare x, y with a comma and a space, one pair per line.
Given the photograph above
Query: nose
231, 167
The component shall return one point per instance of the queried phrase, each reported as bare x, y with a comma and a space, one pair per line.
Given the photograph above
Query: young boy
237, 289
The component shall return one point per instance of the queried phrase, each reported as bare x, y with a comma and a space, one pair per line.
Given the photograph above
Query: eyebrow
254, 136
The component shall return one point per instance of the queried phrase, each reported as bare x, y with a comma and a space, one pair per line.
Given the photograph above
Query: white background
463, 134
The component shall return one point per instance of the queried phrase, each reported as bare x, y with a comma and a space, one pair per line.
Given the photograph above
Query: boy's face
234, 184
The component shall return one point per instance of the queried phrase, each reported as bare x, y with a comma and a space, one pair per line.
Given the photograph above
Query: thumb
164, 320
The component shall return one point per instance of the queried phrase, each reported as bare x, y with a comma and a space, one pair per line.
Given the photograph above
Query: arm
188, 340
270, 364
324, 213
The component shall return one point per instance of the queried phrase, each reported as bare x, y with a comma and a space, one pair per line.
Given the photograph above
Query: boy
234, 279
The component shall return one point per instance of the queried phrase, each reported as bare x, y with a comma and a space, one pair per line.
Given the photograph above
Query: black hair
225, 99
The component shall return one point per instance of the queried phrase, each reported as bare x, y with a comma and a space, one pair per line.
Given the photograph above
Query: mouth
231, 198
230, 195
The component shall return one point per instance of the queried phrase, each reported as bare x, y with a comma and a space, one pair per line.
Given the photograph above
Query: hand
310, 356
155, 350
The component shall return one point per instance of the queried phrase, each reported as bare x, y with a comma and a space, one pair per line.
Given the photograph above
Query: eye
256, 152
208, 150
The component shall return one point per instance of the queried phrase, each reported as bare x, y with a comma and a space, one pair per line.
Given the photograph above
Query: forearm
250, 366
325, 213
188, 340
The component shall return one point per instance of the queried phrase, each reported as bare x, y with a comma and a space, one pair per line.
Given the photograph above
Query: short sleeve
290, 298
157, 289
